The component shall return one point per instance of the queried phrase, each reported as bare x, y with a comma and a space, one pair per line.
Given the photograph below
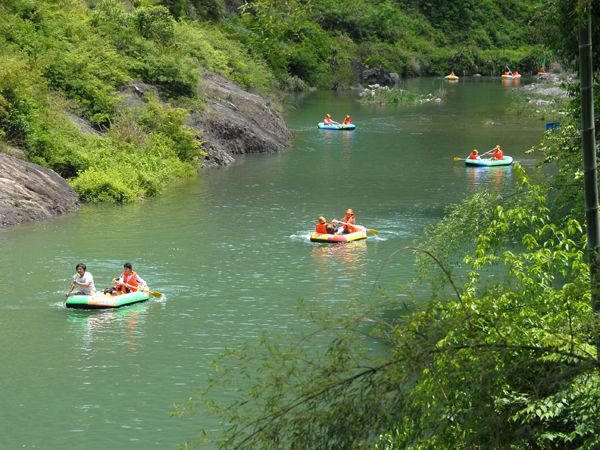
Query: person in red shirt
329, 121
347, 120
474, 154
498, 153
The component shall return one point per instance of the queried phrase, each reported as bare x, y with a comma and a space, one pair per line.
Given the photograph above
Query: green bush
155, 23
97, 185
176, 75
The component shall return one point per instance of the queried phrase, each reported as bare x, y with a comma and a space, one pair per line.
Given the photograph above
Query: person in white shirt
83, 281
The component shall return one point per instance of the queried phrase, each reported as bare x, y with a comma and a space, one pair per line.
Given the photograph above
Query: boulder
379, 76
29, 192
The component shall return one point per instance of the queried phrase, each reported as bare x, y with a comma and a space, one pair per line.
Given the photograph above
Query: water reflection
333, 137
329, 257
496, 178
121, 327
511, 82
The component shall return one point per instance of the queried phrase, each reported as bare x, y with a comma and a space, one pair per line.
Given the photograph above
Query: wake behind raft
103, 301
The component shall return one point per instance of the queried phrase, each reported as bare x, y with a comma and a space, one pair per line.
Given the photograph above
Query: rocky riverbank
29, 192
232, 122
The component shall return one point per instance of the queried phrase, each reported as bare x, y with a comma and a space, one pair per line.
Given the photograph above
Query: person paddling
348, 222
347, 120
83, 281
474, 154
129, 281
498, 153
329, 121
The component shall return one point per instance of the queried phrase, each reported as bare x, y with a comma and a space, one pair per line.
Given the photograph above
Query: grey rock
29, 192
237, 122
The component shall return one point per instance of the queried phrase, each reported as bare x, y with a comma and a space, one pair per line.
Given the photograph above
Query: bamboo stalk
590, 168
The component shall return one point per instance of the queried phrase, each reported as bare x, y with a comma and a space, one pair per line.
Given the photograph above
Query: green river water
231, 253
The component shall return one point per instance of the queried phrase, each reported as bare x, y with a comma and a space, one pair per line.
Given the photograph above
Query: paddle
70, 289
153, 294
370, 230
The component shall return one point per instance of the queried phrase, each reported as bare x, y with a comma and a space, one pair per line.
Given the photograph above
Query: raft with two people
510, 74
340, 231
497, 158
451, 77
330, 124
128, 289
101, 300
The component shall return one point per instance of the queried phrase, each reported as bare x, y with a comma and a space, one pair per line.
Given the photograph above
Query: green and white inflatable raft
507, 161
348, 127
105, 300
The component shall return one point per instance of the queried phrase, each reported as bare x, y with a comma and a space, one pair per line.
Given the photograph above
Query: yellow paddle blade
458, 158
372, 230
156, 294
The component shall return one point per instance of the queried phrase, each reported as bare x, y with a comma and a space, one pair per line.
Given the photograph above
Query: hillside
70, 73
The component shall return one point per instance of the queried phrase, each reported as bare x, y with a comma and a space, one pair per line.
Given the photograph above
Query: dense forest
68, 64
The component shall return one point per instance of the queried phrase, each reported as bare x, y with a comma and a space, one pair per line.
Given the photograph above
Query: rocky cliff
237, 122
233, 122
29, 192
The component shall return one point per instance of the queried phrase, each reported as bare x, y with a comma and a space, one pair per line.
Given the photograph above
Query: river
231, 253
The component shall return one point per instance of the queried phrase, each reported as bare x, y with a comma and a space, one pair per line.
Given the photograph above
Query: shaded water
230, 251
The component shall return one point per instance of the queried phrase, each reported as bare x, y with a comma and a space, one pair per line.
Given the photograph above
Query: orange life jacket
327, 121
473, 155
349, 218
498, 154
321, 228
131, 280
347, 121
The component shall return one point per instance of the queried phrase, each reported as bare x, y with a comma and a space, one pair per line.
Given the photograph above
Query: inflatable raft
105, 300
334, 238
506, 161
348, 127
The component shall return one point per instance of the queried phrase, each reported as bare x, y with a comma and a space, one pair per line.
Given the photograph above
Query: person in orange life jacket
347, 120
348, 226
474, 154
329, 121
498, 153
130, 278
323, 227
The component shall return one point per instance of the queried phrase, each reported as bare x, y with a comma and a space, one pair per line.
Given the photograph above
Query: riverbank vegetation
321, 42
69, 69
70, 96
383, 95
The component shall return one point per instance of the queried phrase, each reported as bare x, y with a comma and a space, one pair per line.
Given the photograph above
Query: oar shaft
370, 230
